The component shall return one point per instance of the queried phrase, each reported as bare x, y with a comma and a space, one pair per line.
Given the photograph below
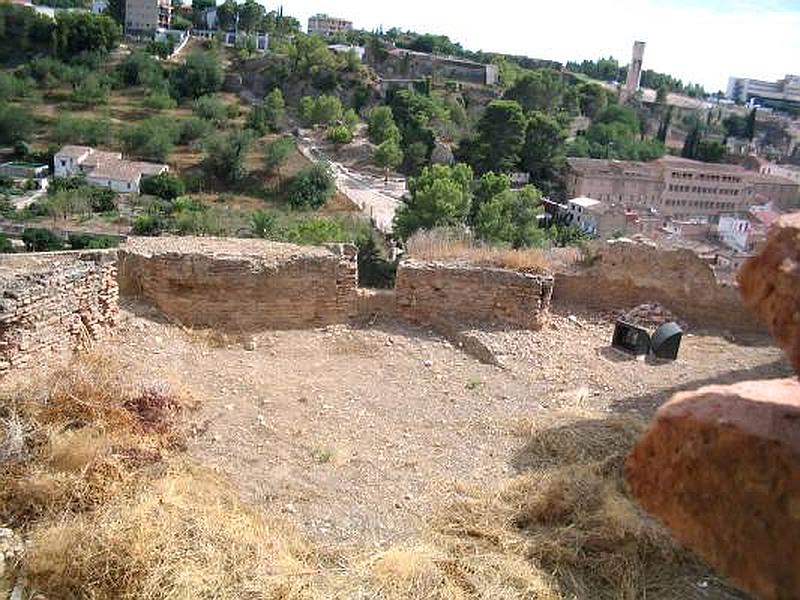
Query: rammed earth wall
52, 303
241, 284
435, 291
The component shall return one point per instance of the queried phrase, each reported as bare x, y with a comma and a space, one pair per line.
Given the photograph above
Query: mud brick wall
624, 274
54, 302
452, 291
241, 285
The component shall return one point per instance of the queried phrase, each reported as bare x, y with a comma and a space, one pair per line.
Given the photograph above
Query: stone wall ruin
239, 284
52, 303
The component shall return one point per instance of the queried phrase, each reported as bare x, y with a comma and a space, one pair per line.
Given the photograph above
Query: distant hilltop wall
622, 274
433, 291
238, 284
52, 303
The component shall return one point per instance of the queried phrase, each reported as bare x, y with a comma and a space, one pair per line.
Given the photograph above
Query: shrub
149, 224
6, 246
91, 90
101, 200
211, 109
225, 154
77, 130
165, 186
199, 75
277, 153
340, 135
160, 101
41, 240
16, 125
311, 187
381, 125
84, 241
193, 128
151, 139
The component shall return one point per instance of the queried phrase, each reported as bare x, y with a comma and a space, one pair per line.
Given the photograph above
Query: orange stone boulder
721, 468
770, 284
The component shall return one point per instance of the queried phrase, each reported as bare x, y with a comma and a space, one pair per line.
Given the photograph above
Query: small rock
428, 363
216, 438
250, 344
289, 508
229, 407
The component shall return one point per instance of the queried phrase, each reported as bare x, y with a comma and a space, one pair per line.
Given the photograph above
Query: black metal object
667, 341
630, 338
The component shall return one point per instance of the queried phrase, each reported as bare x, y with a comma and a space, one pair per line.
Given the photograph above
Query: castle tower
634, 72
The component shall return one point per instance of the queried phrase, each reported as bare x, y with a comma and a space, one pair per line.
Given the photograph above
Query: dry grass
181, 534
457, 245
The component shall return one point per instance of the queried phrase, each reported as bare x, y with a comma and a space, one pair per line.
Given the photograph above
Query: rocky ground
357, 432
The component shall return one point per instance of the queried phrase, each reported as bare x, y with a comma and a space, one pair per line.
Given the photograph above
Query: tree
750, 128
663, 128
227, 14
16, 125
226, 154
199, 75
311, 187
538, 90
305, 110
661, 94
165, 186
692, 142
381, 126
710, 151
270, 115
211, 109
487, 187
542, 155
277, 153
593, 99
77, 32
501, 135
151, 139
440, 197
389, 156
327, 110
512, 217
41, 240
250, 15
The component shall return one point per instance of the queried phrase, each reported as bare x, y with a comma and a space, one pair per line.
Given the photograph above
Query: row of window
695, 189
705, 177
700, 204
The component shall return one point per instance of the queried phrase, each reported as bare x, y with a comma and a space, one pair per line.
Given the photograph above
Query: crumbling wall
623, 274
51, 303
720, 466
435, 291
241, 284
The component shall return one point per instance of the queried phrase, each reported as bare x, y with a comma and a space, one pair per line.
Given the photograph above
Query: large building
400, 63
327, 26
784, 93
677, 187
146, 16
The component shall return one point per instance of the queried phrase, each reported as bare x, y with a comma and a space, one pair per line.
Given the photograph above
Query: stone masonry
435, 291
52, 303
241, 285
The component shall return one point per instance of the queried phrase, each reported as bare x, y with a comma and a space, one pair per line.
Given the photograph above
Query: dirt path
358, 433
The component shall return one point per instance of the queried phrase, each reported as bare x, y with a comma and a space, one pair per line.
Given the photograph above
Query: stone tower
634, 72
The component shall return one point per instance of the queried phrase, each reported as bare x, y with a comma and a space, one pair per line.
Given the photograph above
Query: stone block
721, 468
770, 284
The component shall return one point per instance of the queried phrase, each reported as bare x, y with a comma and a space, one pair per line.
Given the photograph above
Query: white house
104, 169
99, 6
734, 232
595, 217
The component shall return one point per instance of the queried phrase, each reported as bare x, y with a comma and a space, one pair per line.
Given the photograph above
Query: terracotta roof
123, 170
74, 151
99, 157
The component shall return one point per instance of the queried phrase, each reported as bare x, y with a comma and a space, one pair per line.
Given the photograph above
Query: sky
699, 41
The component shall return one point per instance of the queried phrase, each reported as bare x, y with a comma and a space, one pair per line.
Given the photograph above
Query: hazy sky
701, 41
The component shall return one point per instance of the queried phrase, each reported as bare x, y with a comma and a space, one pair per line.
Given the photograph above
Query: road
377, 199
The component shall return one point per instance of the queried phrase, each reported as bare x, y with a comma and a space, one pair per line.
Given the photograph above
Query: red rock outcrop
770, 284
721, 468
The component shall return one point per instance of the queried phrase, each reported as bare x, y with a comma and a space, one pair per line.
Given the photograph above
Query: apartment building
678, 187
145, 16
779, 94
326, 26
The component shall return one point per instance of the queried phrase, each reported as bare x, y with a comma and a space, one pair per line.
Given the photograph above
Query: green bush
101, 200
160, 101
165, 186
192, 129
211, 109
78, 130
6, 247
151, 139
199, 75
148, 224
87, 241
41, 240
311, 187
340, 135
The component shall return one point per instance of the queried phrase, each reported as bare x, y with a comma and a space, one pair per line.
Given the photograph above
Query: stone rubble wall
52, 303
720, 466
241, 285
624, 274
435, 291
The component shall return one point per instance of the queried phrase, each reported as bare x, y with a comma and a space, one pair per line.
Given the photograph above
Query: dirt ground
356, 433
